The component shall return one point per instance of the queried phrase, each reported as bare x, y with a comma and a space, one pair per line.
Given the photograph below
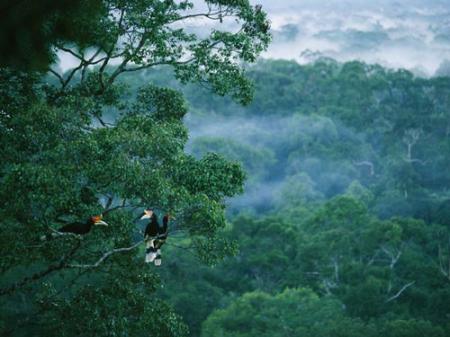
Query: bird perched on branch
150, 234
80, 228
155, 236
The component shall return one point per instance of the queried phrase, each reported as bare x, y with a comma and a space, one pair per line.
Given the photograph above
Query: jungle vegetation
343, 228
318, 208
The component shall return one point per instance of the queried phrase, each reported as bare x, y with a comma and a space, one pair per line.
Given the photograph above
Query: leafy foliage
78, 144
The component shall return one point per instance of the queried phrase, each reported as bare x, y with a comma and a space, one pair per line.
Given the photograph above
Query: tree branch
52, 268
444, 271
65, 82
105, 256
336, 269
394, 258
70, 51
415, 160
218, 15
125, 61
149, 65
58, 76
102, 122
188, 249
88, 63
110, 51
406, 286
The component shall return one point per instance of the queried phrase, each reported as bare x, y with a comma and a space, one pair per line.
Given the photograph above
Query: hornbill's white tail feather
150, 252
158, 258
150, 257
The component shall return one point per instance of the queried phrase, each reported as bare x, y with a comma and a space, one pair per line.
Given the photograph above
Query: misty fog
397, 34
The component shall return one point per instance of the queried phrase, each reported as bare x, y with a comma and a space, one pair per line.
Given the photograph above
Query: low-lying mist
273, 149
397, 34
324, 129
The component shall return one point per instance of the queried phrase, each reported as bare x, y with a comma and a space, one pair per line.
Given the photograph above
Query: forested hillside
345, 209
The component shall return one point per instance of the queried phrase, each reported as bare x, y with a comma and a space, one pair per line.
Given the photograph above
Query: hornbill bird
151, 232
155, 236
79, 228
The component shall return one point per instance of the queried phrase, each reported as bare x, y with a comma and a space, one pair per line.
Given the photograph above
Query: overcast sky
412, 34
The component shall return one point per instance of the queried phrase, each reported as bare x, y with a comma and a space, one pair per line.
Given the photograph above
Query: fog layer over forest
321, 129
397, 34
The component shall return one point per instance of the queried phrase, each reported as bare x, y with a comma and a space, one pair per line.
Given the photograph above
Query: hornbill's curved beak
147, 214
101, 223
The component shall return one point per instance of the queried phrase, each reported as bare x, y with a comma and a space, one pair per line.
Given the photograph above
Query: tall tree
81, 147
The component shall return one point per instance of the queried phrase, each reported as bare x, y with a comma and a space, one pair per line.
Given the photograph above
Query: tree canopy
74, 145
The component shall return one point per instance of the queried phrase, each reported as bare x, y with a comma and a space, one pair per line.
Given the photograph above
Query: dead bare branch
394, 257
397, 295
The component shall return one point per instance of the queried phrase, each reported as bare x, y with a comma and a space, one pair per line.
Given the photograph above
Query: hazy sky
412, 34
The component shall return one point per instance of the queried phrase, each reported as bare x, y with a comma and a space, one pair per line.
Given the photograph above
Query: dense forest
343, 228
307, 200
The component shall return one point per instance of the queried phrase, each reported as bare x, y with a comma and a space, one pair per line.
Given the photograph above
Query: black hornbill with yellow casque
80, 228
